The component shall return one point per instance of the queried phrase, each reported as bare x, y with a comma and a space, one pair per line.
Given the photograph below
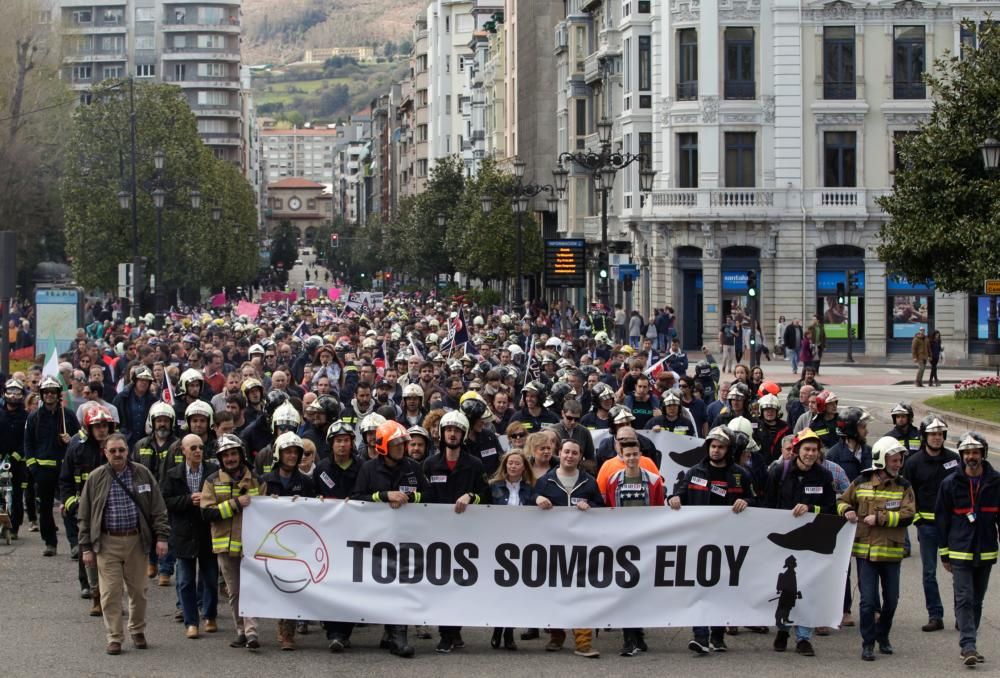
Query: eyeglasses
570, 417
628, 443
123, 450
517, 436
197, 447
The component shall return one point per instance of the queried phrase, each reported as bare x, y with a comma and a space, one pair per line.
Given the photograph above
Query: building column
711, 276
876, 329
662, 273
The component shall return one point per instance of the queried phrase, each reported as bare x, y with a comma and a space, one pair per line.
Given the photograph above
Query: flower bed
987, 388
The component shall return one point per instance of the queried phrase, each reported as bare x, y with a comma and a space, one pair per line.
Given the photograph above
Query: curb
920, 409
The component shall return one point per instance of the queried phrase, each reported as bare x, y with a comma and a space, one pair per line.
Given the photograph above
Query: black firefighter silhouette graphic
788, 592
818, 536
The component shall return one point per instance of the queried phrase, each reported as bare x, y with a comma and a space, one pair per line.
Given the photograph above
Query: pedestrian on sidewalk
792, 339
920, 351
936, 356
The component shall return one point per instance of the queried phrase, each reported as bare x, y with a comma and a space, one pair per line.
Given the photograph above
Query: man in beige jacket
920, 349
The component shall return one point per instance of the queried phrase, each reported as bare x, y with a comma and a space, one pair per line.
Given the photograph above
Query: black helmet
275, 399
901, 409
848, 420
312, 343
560, 390
702, 370
474, 409
329, 405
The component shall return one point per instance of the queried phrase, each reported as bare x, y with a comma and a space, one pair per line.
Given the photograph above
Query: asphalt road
45, 630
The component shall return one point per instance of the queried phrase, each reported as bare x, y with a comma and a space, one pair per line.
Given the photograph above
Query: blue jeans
929, 543
794, 357
801, 632
970, 589
870, 576
165, 565
198, 578
662, 342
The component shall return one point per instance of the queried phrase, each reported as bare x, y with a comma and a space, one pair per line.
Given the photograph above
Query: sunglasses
517, 436
628, 443
123, 450
570, 417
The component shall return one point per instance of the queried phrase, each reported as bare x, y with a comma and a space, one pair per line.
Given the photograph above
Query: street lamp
520, 194
441, 219
990, 149
131, 198
602, 165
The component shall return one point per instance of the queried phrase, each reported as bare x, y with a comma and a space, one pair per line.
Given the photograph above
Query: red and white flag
167, 393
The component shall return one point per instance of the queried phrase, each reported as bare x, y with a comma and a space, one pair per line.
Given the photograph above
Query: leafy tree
196, 250
421, 238
284, 245
484, 245
945, 206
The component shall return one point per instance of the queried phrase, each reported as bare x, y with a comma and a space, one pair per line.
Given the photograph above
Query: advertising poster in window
983, 318
834, 316
910, 313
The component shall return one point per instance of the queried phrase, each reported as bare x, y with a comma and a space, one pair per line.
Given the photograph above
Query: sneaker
699, 647
178, 615
252, 642
805, 648
49, 551
336, 644
589, 653
781, 641
530, 634
640, 642
885, 648
444, 646
33, 527
456, 641
980, 659
302, 628
718, 645
868, 653
553, 646
969, 657
239, 641
85, 593
933, 624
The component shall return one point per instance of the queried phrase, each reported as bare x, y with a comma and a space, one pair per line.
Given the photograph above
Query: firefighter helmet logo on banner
294, 556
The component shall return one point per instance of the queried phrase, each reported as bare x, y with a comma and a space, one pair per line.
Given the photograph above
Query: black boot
508, 639
628, 646
398, 642
495, 640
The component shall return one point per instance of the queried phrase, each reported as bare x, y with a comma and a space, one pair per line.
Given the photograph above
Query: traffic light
604, 273
388, 275
334, 240
627, 283
853, 283
752, 284
841, 293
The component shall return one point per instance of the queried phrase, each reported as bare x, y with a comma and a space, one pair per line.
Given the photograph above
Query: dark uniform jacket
190, 533
446, 485
925, 473
964, 540
377, 479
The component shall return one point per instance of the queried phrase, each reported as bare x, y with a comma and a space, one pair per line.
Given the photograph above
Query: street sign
565, 263
992, 286
631, 270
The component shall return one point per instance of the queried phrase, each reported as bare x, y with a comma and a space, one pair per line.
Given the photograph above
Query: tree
196, 250
35, 108
422, 237
944, 208
284, 245
483, 245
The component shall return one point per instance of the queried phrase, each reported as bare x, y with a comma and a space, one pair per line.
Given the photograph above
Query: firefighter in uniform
286, 480
458, 478
224, 496
925, 470
966, 517
47, 432
83, 455
151, 450
882, 504
393, 478
285, 419
903, 430
12, 419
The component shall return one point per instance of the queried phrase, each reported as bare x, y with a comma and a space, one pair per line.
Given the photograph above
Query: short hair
572, 407
96, 387
222, 417
116, 436
241, 402
787, 440
363, 384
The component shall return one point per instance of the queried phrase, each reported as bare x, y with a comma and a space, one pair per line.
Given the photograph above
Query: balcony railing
740, 89
687, 91
839, 198
736, 197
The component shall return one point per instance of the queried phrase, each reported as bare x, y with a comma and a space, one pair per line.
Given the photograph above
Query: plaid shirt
121, 513
194, 478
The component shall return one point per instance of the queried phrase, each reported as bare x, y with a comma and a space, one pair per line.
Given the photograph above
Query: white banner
521, 566
365, 302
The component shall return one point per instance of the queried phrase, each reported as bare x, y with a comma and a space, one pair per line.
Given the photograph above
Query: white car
298, 262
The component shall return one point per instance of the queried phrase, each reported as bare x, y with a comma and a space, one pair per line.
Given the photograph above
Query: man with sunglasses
569, 427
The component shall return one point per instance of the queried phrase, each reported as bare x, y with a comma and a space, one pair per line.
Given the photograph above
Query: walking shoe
74, 553
980, 659
192, 632
287, 644
336, 644
239, 641
805, 648
95, 603
823, 630
588, 652
530, 634
49, 551
423, 633
699, 647
456, 641
139, 640
969, 657
553, 646
444, 646
85, 593
150, 571
33, 527
868, 653
496, 638
178, 615
640, 641
885, 648
781, 641
114, 648
252, 642
759, 629
164, 580
718, 644
847, 620
302, 628
933, 624
211, 626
